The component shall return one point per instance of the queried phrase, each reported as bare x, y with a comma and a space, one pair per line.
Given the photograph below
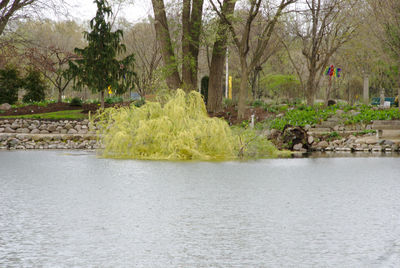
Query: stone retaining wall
47, 134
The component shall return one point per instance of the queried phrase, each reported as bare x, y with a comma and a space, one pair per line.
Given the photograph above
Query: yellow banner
230, 88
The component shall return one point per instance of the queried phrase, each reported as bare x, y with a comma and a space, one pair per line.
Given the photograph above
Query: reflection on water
74, 210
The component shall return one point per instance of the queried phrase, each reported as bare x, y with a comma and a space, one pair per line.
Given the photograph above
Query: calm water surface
69, 209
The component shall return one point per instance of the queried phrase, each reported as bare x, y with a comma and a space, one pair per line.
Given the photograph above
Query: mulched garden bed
34, 109
229, 113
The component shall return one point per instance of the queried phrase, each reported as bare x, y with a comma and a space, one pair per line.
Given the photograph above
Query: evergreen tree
35, 86
97, 66
10, 83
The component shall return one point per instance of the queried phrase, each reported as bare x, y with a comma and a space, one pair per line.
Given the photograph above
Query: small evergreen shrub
112, 100
35, 86
10, 83
76, 102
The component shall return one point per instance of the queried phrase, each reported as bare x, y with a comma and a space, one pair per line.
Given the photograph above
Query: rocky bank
47, 134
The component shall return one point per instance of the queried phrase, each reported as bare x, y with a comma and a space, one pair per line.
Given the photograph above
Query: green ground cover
68, 114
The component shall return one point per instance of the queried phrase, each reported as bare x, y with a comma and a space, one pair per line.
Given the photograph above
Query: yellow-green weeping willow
178, 130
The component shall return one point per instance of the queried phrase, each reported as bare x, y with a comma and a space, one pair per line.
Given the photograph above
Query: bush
139, 103
35, 86
76, 102
112, 100
297, 117
10, 83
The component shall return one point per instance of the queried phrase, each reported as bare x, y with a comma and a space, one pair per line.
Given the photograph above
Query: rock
323, 144
377, 148
9, 130
52, 146
310, 139
307, 127
388, 142
274, 133
339, 112
13, 142
63, 131
82, 131
22, 136
22, 130
15, 125
5, 107
44, 132
336, 128
68, 126
2, 129
35, 131
32, 126
298, 147
294, 135
52, 128
72, 131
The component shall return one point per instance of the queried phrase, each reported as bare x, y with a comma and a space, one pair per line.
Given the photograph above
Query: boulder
298, 147
5, 107
22, 130
293, 135
323, 144
72, 131
9, 130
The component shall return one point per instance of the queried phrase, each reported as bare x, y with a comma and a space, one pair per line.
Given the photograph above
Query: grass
68, 114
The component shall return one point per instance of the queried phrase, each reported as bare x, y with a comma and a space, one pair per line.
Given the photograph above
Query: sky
84, 10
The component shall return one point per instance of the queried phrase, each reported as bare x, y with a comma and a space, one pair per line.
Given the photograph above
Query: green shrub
257, 103
139, 103
112, 100
10, 83
76, 102
366, 115
35, 86
309, 115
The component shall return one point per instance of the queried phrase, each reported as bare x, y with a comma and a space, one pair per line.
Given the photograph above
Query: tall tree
11, 9
242, 41
192, 11
387, 15
97, 66
164, 39
214, 100
323, 29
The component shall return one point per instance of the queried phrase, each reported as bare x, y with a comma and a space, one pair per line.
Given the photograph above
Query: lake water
71, 209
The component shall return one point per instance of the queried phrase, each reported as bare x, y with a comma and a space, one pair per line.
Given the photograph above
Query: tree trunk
102, 99
59, 95
164, 39
215, 94
186, 56
243, 88
310, 94
191, 28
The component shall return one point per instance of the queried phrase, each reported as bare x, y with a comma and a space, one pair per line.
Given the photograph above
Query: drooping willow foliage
179, 129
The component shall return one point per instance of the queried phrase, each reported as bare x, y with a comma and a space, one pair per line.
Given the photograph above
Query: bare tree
323, 29
15, 9
387, 16
242, 40
141, 41
52, 62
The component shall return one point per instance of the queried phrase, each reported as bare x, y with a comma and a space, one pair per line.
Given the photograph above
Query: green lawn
68, 114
